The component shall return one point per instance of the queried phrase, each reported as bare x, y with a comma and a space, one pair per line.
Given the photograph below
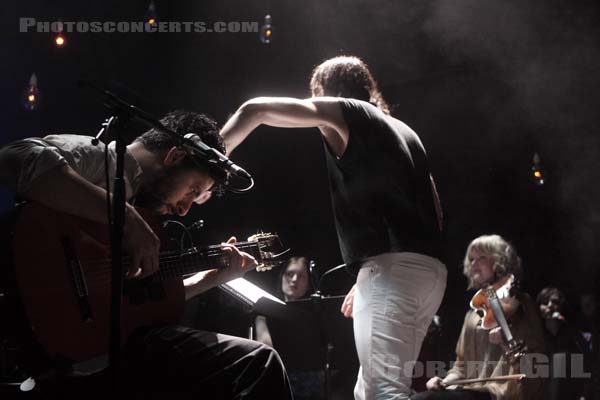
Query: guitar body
65, 287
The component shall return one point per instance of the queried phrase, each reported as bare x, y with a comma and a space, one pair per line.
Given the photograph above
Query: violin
498, 302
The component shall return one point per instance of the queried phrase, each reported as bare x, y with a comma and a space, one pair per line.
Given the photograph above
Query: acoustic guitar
63, 273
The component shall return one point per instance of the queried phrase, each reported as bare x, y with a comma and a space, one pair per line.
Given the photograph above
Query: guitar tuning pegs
261, 235
263, 267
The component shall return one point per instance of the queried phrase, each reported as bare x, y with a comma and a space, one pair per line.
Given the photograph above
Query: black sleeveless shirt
380, 188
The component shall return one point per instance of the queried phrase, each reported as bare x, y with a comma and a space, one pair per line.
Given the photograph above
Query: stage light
31, 96
537, 171
151, 16
266, 30
60, 40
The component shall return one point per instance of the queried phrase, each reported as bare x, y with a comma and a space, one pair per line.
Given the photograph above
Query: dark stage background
485, 84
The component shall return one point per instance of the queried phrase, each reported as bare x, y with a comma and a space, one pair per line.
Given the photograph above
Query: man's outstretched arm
286, 112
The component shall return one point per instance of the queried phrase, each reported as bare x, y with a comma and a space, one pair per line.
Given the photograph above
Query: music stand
310, 334
333, 332
256, 300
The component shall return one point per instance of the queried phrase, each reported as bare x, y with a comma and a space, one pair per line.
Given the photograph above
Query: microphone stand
119, 119
118, 207
318, 300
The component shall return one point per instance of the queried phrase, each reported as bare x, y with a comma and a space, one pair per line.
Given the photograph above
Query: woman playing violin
482, 354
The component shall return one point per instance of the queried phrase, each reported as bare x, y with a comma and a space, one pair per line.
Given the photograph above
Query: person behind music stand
488, 259
293, 283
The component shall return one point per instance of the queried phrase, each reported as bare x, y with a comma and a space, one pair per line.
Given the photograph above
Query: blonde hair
506, 259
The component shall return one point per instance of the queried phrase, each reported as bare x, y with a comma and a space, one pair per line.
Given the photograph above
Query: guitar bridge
75, 271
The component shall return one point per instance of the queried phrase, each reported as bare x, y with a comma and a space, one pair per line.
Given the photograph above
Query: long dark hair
347, 76
293, 260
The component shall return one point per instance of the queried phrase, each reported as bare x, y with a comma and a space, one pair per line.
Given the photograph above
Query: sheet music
247, 292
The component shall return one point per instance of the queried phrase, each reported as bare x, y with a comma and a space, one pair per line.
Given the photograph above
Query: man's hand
348, 304
239, 262
141, 243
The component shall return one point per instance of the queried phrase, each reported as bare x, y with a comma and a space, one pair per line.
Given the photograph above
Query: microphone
218, 157
191, 141
558, 316
312, 273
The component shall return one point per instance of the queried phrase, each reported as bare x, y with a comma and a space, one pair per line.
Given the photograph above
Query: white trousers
396, 296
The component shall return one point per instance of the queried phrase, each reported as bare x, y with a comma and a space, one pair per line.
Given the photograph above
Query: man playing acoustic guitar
66, 173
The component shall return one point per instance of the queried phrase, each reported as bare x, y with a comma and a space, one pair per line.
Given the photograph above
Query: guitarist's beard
155, 188
147, 199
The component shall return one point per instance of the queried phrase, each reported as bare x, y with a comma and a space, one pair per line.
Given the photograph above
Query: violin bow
514, 377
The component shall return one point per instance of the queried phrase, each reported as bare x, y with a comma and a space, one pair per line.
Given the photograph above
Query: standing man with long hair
386, 210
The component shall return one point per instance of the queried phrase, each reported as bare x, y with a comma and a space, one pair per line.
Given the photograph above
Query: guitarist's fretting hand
239, 262
141, 243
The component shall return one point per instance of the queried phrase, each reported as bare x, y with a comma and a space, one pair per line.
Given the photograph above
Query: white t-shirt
25, 161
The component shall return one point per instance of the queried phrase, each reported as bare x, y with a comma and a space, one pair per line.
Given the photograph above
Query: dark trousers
192, 364
459, 394
175, 362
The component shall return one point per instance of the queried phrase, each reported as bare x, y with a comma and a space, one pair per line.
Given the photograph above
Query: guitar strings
180, 261
174, 270
174, 255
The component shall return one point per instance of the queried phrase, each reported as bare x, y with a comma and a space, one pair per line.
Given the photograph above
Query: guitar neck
179, 263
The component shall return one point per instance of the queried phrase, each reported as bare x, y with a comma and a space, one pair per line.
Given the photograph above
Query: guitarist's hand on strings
141, 244
240, 262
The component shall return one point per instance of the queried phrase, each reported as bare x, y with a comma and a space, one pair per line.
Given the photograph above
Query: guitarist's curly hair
184, 122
